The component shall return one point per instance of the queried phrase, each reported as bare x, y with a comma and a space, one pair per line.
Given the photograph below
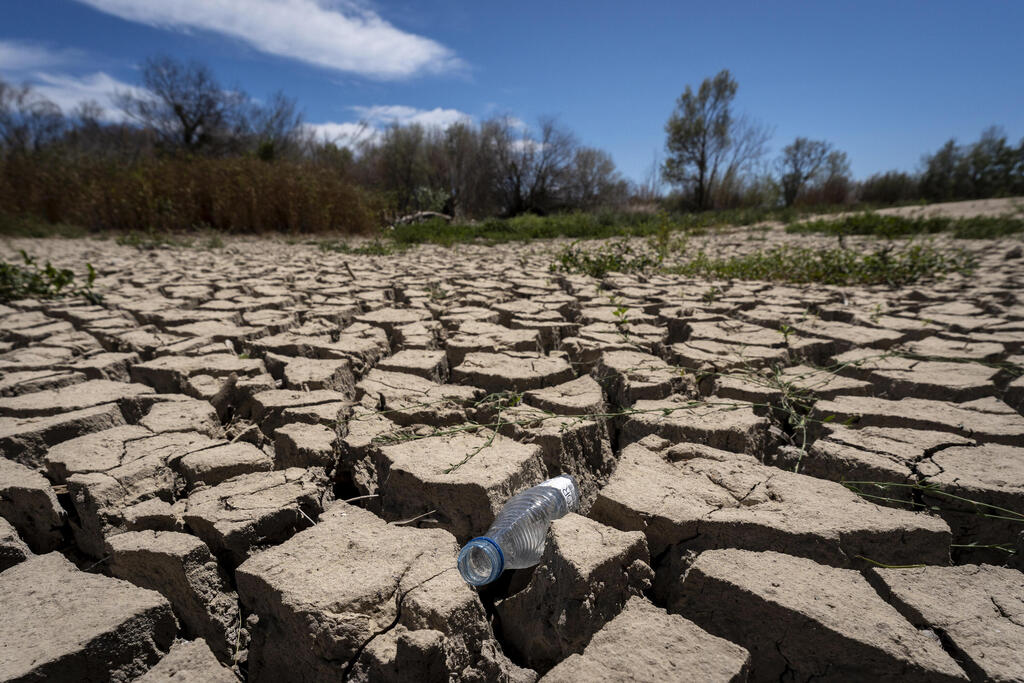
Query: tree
699, 136
944, 177
836, 184
737, 181
185, 105
593, 181
402, 164
990, 163
28, 121
890, 187
531, 171
650, 188
801, 161
275, 127
469, 171
814, 171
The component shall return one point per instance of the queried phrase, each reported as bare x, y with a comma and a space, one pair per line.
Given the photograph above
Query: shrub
617, 257
892, 187
42, 282
878, 225
237, 195
890, 265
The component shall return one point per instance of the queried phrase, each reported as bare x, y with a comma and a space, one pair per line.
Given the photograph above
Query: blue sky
883, 81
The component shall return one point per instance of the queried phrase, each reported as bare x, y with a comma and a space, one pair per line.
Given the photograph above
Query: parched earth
259, 461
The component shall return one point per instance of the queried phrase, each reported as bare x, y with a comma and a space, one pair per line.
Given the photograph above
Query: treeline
989, 167
717, 158
183, 151
186, 152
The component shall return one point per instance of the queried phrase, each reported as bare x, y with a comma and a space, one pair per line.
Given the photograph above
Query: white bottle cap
565, 485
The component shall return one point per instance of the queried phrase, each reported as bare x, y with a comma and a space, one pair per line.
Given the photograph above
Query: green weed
583, 225
30, 226
377, 247
617, 257
32, 281
151, 239
213, 242
889, 265
878, 225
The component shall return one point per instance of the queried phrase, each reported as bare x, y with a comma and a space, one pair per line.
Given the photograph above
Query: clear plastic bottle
516, 538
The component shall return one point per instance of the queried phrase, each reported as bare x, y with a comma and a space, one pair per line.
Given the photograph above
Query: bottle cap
565, 485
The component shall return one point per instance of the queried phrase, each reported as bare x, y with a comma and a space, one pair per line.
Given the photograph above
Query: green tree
801, 161
699, 136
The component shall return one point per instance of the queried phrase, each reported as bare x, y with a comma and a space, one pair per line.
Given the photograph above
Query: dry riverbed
259, 460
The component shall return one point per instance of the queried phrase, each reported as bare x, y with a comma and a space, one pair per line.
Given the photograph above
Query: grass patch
377, 247
151, 239
32, 281
877, 225
617, 257
30, 226
579, 225
891, 265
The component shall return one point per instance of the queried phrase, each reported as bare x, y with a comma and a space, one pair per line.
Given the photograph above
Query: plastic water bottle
516, 538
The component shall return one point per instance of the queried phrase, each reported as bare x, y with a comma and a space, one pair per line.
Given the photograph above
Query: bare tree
800, 161
276, 126
402, 164
551, 158
650, 189
836, 183
748, 144
470, 171
185, 105
28, 121
509, 151
531, 171
593, 181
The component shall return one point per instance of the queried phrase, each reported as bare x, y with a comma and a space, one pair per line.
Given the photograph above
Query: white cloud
347, 134
336, 34
516, 123
372, 121
68, 92
18, 56
386, 115
522, 145
36, 64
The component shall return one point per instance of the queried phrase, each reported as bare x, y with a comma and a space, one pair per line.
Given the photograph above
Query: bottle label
565, 485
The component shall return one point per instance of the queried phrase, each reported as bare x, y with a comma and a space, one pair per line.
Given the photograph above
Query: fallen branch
420, 216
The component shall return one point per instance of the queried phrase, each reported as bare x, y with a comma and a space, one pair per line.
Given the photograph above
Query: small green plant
711, 294
786, 331
617, 257
30, 226
377, 247
151, 239
436, 292
621, 314
880, 225
888, 265
43, 282
213, 242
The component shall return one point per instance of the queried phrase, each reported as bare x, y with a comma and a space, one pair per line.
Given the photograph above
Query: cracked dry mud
258, 462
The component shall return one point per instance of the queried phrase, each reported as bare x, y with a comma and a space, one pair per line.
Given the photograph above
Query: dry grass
235, 195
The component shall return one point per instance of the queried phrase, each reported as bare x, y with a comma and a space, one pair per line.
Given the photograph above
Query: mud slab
175, 465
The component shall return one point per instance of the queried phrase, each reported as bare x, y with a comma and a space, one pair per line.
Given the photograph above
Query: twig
413, 519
